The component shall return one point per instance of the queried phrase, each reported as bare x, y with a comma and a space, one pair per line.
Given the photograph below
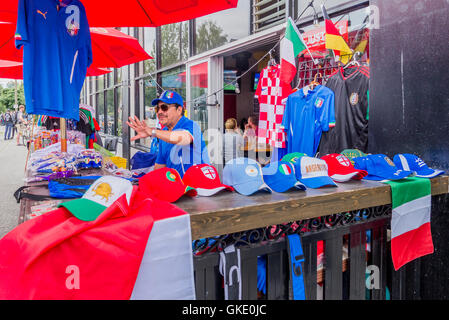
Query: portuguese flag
334, 40
411, 236
291, 46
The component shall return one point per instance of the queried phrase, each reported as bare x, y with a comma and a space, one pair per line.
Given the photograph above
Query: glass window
174, 80
100, 83
198, 91
110, 112
222, 27
150, 90
119, 111
174, 43
149, 44
100, 110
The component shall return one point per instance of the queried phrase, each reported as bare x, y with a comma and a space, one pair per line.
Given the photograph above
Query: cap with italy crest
101, 194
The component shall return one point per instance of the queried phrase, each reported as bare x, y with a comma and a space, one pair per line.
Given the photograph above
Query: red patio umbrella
135, 13
13, 70
10, 70
110, 47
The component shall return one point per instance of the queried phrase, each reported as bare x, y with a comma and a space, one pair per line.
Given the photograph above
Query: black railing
340, 272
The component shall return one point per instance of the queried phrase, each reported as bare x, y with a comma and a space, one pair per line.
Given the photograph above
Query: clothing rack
307, 70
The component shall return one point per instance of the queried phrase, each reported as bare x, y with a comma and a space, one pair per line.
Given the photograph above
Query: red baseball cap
204, 178
165, 184
341, 169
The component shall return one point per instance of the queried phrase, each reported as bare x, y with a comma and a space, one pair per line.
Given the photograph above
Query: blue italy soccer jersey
183, 157
56, 54
306, 117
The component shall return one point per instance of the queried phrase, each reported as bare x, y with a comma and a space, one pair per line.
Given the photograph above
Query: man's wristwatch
153, 133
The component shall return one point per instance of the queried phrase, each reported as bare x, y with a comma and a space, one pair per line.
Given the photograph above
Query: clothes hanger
315, 83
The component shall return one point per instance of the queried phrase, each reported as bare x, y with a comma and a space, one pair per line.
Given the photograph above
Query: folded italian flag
411, 236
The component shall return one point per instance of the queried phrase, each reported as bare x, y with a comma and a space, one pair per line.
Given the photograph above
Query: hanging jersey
350, 87
306, 116
56, 54
271, 93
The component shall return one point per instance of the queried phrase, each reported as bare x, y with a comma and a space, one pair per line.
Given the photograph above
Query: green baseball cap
101, 194
292, 157
353, 153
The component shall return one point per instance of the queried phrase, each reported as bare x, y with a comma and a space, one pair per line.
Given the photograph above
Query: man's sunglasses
163, 107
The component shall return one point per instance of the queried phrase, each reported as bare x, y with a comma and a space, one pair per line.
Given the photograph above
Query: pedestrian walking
9, 123
21, 123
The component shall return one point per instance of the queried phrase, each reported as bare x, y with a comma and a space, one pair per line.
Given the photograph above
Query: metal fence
353, 263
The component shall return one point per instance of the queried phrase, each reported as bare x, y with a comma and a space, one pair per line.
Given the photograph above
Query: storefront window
149, 44
198, 92
110, 112
100, 110
219, 28
174, 43
173, 80
150, 90
119, 110
100, 83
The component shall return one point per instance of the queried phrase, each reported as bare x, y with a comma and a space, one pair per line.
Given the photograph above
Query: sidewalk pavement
12, 165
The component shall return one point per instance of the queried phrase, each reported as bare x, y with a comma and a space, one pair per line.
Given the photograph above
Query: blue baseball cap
280, 176
169, 97
313, 172
380, 167
411, 162
245, 176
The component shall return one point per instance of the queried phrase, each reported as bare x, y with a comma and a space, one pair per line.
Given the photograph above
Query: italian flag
291, 46
411, 236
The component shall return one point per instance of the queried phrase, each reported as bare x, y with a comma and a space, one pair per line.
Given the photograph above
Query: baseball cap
165, 184
292, 157
380, 167
313, 172
169, 97
411, 162
280, 176
205, 179
245, 176
353, 153
101, 194
341, 169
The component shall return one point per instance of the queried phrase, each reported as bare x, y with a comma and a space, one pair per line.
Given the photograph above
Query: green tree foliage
209, 35
7, 96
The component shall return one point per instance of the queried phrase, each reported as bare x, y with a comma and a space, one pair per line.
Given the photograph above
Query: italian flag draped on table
411, 235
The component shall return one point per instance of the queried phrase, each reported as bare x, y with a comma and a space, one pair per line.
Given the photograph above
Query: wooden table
229, 212
260, 153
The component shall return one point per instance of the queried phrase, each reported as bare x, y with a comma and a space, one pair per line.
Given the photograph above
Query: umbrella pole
63, 131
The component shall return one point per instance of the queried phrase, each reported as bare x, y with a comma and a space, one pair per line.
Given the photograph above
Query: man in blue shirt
306, 116
57, 51
181, 141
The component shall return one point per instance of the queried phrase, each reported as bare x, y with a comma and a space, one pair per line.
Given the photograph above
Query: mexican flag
291, 46
136, 251
411, 236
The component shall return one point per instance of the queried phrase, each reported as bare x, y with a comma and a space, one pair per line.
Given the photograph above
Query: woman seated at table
232, 140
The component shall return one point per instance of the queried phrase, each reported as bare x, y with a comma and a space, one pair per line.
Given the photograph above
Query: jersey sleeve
327, 117
259, 85
21, 36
